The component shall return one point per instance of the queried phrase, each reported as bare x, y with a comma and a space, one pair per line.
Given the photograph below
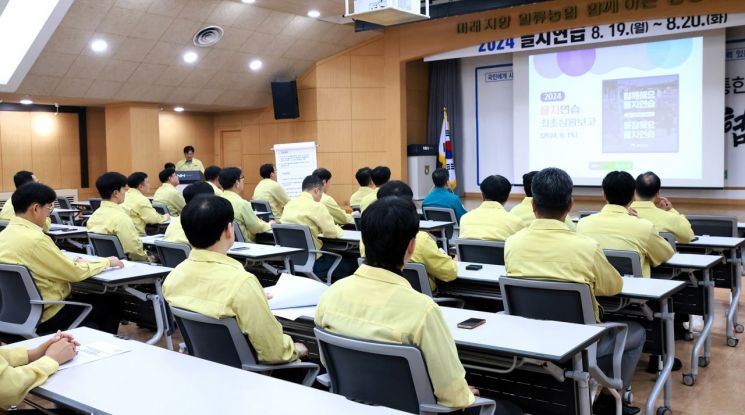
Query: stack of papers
93, 351
292, 291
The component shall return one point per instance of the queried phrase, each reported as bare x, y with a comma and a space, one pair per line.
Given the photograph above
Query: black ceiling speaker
284, 97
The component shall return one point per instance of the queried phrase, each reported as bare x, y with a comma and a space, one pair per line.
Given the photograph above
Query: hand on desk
56, 347
115, 262
302, 351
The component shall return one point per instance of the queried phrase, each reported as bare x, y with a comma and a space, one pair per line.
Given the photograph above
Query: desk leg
664, 377
704, 339
158, 310
732, 325
444, 238
583, 380
168, 324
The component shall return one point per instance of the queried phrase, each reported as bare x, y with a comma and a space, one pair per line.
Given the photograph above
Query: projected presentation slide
631, 107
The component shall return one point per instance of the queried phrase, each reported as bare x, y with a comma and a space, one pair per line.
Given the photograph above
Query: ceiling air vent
208, 36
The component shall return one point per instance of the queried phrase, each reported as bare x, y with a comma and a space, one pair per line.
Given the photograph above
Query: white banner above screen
597, 34
294, 161
734, 114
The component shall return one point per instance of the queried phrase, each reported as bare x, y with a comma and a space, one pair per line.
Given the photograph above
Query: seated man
167, 193
269, 190
215, 285
138, 206
231, 180
175, 232
366, 186
379, 176
615, 227
548, 249
23, 242
306, 209
189, 163
22, 370
19, 179
651, 206
442, 196
340, 216
439, 265
377, 303
524, 209
169, 165
212, 177
112, 219
490, 221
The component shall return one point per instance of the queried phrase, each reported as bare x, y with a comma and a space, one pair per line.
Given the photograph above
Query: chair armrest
311, 368
487, 407
324, 380
83, 314
333, 266
619, 332
316, 251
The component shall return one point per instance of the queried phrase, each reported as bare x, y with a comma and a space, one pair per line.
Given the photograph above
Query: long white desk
124, 278
151, 380
441, 227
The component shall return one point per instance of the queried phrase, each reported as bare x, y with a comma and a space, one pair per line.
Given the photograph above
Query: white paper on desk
93, 351
292, 291
294, 313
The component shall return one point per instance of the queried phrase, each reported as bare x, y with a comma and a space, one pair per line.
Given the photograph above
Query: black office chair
221, 341
443, 215
63, 202
95, 203
263, 206
106, 245
238, 232
172, 253
670, 238
3, 225
416, 275
298, 236
480, 252
385, 374
713, 225
586, 213
627, 263
161, 208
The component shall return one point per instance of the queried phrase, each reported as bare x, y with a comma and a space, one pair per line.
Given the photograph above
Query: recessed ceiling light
314, 14
178, 109
190, 57
249, 1
99, 45
26, 101
255, 65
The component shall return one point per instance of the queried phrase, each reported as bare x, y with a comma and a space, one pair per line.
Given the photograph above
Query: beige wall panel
308, 80
334, 103
367, 71
333, 73
417, 104
96, 127
69, 151
335, 136
416, 132
373, 48
15, 130
118, 142
146, 141
268, 137
371, 159
45, 147
340, 166
251, 164
285, 132
306, 131
228, 120
178, 130
342, 192
417, 75
368, 103
267, 116
367, 135
231, 148
250, 117
250, 135
307, 100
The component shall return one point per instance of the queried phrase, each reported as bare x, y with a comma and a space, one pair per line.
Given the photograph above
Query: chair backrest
713, 225
261, 205
106, 245
296, 236
670, 238
625, 262
585, 213
416, 274
392, 375
63, 202
547, 300
95, 203
238, 232
161, 208
3, 224
442, 215
220, 341
482, 252
56, 219
172, 253
358, 223
18, 316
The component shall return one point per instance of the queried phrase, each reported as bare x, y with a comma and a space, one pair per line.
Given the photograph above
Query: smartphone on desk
695, 238
241, 248
474, 267
471, 323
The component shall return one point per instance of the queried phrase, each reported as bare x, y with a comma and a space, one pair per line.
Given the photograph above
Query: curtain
445, 92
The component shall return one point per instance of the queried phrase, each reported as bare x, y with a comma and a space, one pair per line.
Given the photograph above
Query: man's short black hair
648, 185
619, 187
322, 173
196, 189
266, 170
165, 174
496, 188
363, 176
311, 182
552, 192
527, 182
205, 219
31, 193
23, 177
229, 176
388, 226
108, 182
188, 149
211, 173
380, 175
169, 165
136, 179
440, 177
396, 188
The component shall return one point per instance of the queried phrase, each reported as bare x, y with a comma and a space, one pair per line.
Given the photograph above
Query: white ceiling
146, 39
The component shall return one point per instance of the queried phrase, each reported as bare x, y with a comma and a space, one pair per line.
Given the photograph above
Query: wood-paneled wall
178, 130
417, 101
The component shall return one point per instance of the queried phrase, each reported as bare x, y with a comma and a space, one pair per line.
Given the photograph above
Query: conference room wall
417, 101
177, 130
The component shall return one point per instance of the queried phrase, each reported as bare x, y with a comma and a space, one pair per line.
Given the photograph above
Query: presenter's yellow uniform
141, 210
549, 249
357, 196
614, 228
175, 232
665, 220
489, 222
376, 304
194, 165
303, 210
18, 376
245, 217
272, 192
112, 219
22, 242
8, 212
168, 195
524, 211
217, 286
340, 216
